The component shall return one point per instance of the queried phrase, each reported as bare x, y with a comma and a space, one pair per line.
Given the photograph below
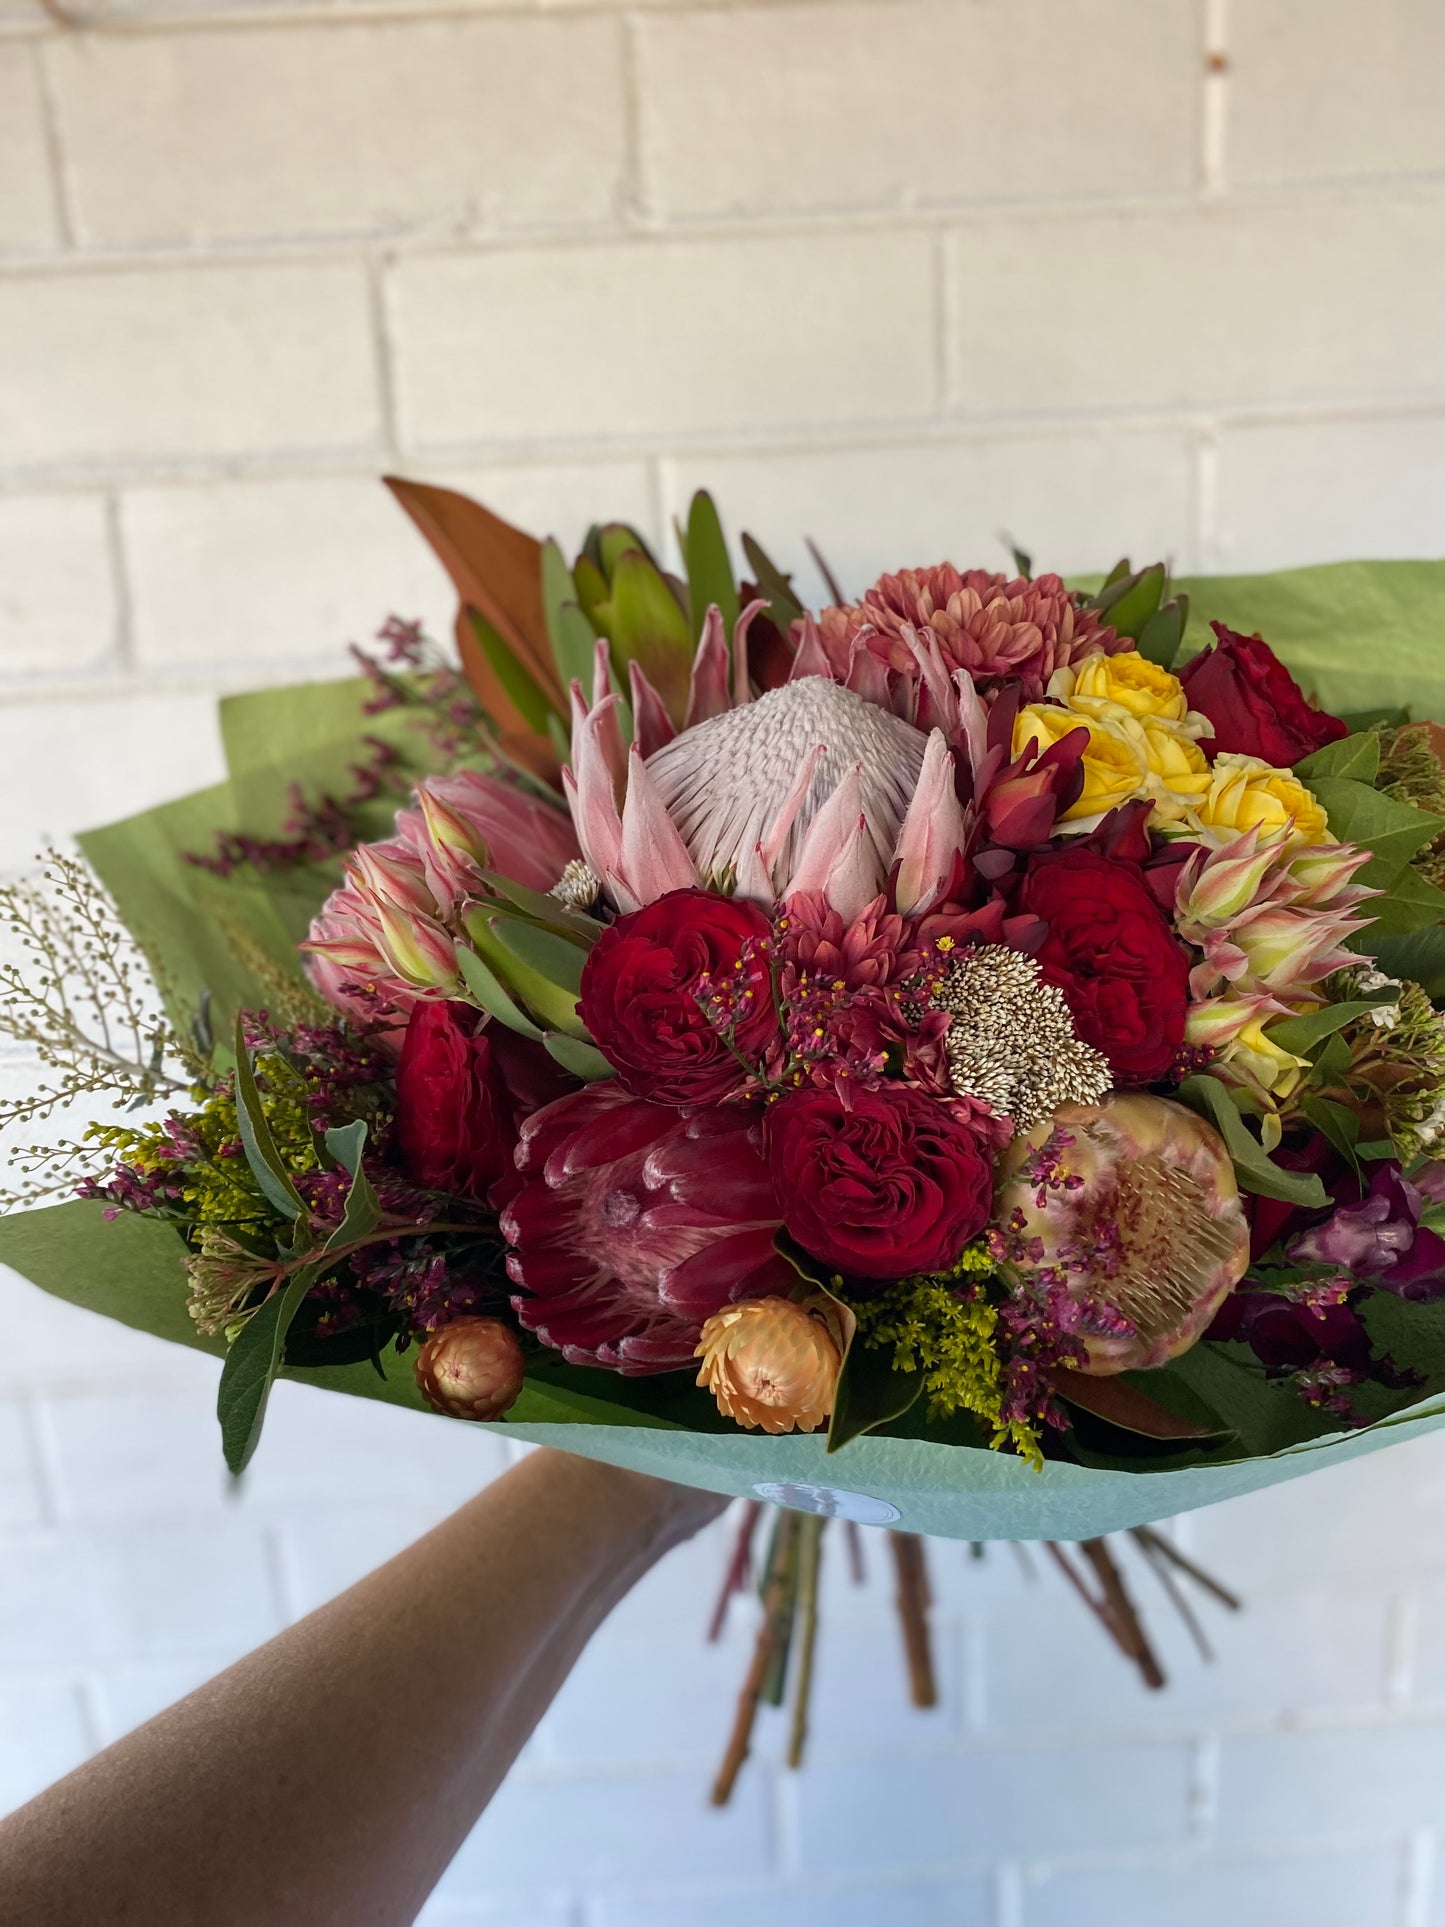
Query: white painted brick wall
1156, 275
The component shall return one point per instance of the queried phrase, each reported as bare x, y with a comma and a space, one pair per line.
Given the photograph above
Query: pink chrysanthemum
998, 630
634, 1223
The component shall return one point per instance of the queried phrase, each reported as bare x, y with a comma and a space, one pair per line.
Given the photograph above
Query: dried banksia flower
772, 1362
1012, 1042
1129, 1210
471, 1368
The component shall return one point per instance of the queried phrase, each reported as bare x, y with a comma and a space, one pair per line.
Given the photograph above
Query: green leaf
614, 541
1128, 603
871, 1392
650, 629
1410, 903
493, 998
1392, 831
1253, 1167
784, 607
1301, 1034
1023, 562
1333, 1061
709, 571
1418, 957
251, 1367
549, 911
362, 1215
1120, 572
1357, 757
554, 957
533, 705
581, 1059
1336, 1123
596, 599
1358, 720
1130, 1400
1160, 639
256, 1140
503, 945
572, 636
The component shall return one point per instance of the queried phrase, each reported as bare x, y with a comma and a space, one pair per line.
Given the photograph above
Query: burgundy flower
455, 1128
676, 992
1113, 953
889, 1183
634, 1223
1380, 1239
1256, 706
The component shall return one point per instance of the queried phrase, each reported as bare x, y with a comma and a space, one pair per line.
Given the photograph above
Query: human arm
330, 1776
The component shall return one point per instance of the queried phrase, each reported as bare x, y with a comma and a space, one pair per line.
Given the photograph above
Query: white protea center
725, 781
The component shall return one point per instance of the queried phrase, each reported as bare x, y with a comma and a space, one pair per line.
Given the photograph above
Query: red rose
455, 1117
891, 1183
1256, 706
1112, 951
675, 993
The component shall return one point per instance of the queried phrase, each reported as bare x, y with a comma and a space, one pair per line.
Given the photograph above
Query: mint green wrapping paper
1359, 636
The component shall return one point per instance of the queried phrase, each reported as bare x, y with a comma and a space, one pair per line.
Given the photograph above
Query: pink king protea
635, 1222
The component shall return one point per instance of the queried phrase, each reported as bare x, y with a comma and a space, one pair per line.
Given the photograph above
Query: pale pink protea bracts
634, 1223
997, 629
807, 787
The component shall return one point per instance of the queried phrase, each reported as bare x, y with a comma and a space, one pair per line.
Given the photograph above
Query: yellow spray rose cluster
1144, 743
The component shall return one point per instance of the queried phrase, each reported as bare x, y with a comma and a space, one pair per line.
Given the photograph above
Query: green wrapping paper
1360, 636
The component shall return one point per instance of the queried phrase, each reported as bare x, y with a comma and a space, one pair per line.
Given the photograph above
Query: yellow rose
1115, 766
1178, 772
1129, 682
1245, 792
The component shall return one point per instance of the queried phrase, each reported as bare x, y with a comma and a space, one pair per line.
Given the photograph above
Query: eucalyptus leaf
1336, 1123
500, 944
257, 1142
362, 1214
1253, 1167
554, 957
709, 571
251, 1367
1411, 903
1301, 1034
546, 910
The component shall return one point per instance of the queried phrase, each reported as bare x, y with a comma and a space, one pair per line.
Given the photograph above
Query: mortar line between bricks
1008, 1894
1420, 187
190, 471
62, 188
383, 354
123, 639
634, 205
1214, 100
1421, 1856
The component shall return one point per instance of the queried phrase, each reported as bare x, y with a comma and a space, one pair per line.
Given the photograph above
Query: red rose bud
1112, 951
891, 1183
1256, 706
472, 1368
677, 992
454, 1115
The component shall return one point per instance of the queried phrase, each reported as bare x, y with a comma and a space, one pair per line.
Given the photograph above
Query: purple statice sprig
314, 831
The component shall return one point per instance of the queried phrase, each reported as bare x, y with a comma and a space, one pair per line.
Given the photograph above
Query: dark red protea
634, 1223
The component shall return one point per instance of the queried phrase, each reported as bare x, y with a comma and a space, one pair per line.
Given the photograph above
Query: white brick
561, 501
57, 596
1310, 100
116, 757
1279, 1788
1361, 1888
49, 1343
327, 1547
20, 1495
1222, 305
537, 1910
1300, 492
1076, 502
907, 105
435, 125
621, 1830
1428, 1671
977, 1806
139, 1452
27, 206
42, 1736
1342, 1527
1277, 1661
287, 572
621, 1707
663, 338
909, 1903
181, 361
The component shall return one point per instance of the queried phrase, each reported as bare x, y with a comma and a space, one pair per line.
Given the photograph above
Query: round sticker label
859, 1507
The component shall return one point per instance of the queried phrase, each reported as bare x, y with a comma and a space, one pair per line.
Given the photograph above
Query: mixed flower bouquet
967, 1057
